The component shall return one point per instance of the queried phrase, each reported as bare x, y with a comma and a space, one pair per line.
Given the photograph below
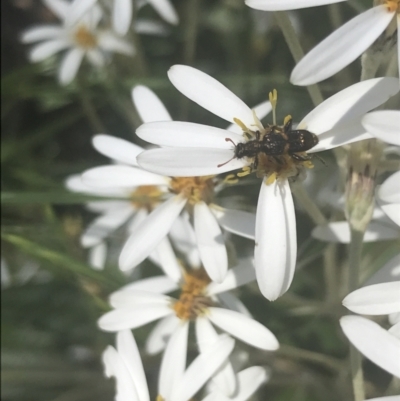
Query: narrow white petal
374, 342
78, 9
342, 47
102, 226
173, 362
157, 284
182, 234
236, 221
148, 105
377, 299
70, 65
149, 27
127, 348
74, 183
96, 58
202, 368
392, 210
149, 234
395, 330
389, 272
168, 261
122, 16
232, 302
388, 398
384, 125
349, 103
206, 336
389, 191
210, 94
166, 10
210, 242
189, 162
246, 329
115, 366
117, 149
120, 176
137, 220
281, 5
160, 334
276, 247
249, 381
60, 8
187, 135
339, 231
109, 42
121, 319
97, 256
239, 275
128, 298
41, 32
46, 49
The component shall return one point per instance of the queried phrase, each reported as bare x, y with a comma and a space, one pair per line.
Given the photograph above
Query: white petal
46, 49
70, 65
392, 210
96, 58
168, 261
389, 272
128, 298
189, 162
157, 284
187, 135
121, 319
389, 191
115, 366
230, 301
117, 149
121, 176
377, 299
97, 256
166, 10
246, 329
78, 9
372, 341
74, 183
41, 32
122, 16
202, 368
250, 380
210, 94
210, 242
384, 125
342, 47
60, 8
389, 398
127, 348
109, 42
136, 220
236, 221
101, 227
149, 234
241, 274
348, 104
275, 250
148, 105
206, 336
281, 5
148, 27
173, 362
339, 231
395, 330
160, 334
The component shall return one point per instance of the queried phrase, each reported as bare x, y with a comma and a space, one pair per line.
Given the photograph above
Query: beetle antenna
223, 164
230, 140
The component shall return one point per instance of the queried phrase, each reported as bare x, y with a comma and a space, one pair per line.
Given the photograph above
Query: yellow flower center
192, 301
146, 197
84, 38
195, 189
392, 5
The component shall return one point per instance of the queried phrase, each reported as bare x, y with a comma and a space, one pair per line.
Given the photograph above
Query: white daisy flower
124, 363
194, 149
384, 125
144, 301
344, 45
81, 39
379, 345
388, 197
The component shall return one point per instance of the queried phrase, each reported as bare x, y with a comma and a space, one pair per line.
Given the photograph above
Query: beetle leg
300, 158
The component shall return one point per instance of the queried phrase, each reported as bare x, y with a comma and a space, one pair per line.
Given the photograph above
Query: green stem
308, 204
295, 48
355, 249
91, 113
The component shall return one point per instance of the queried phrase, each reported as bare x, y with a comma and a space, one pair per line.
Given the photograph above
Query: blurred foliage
51, 298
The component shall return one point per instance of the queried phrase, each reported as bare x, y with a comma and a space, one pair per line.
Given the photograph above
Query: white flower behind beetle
124, 363
384, 125
345, 44
194, 149
379, 345
83, 38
